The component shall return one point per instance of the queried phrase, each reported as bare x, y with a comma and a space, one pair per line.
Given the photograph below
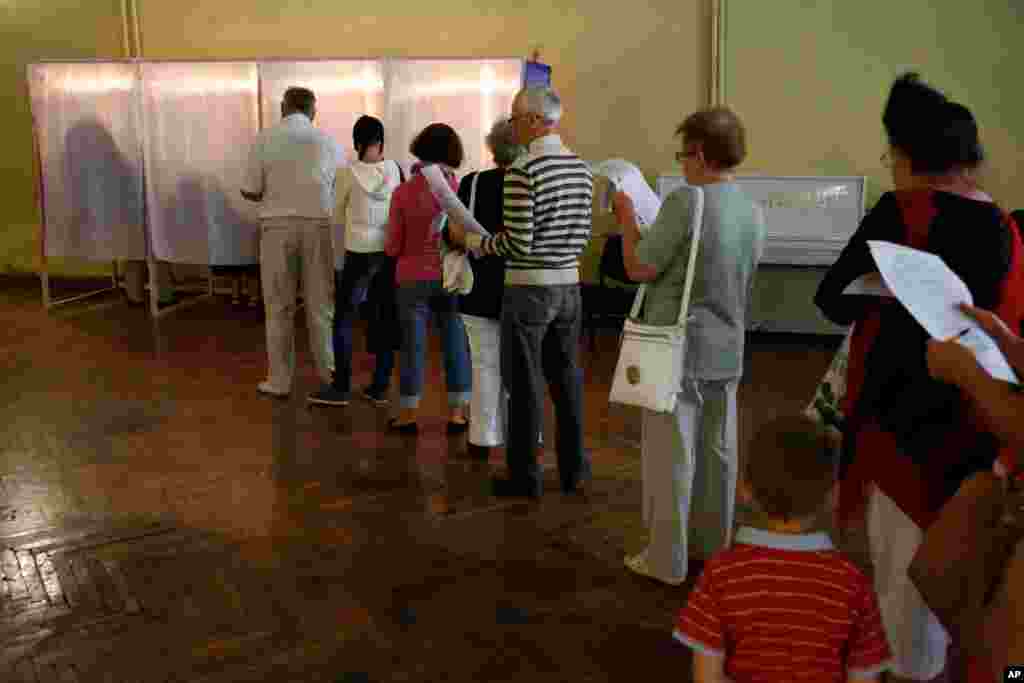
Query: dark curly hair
936, 134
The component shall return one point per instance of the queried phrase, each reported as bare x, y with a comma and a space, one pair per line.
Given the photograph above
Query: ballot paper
626, 177
932, 293
449, 201
869, 285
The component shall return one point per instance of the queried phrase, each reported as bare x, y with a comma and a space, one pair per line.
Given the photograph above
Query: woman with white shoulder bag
689, 451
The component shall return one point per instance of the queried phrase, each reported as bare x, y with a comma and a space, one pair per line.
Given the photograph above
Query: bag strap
696, 227
472, 193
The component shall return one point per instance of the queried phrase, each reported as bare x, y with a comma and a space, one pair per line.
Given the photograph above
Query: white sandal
638, 564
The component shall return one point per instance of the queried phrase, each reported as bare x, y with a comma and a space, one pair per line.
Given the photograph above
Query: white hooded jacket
364, 195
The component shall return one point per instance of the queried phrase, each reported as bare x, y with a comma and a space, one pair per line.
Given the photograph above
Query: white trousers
294, 250
689, 466
488, 406
917, 639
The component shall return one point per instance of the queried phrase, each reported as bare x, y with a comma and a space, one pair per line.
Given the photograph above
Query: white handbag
649, 372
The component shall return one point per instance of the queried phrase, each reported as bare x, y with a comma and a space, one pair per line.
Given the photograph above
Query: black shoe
407, 428
510, 488
482, 453
577, 489
694, 568
580, 486
378, 397
329, 396
458, 427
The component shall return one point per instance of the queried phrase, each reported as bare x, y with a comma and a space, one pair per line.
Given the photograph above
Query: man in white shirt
291, 172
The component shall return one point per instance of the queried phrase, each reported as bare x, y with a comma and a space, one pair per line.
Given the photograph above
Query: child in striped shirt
782, 604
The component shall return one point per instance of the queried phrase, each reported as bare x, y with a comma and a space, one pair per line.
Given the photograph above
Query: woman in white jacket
363, 196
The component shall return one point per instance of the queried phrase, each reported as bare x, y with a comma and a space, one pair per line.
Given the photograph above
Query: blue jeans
416, 301
352, 284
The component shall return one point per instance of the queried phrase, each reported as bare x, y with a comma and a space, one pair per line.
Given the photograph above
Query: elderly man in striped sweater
547, 196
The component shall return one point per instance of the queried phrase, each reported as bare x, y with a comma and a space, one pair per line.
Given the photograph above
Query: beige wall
811, 78
604, 63
31, 30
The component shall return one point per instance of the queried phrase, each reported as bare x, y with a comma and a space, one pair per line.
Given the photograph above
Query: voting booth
143, 160
88, 144
809, 220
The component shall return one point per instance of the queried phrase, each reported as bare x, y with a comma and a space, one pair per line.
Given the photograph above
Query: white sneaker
638, 564
265, 388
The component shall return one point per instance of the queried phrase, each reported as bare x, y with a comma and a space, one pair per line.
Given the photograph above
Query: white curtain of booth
87, 125
200, 120
344, 92
468, 95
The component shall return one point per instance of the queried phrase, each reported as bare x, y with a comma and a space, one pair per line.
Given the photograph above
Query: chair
606, 302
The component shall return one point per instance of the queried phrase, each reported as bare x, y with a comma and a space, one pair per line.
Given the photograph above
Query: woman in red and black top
911, 440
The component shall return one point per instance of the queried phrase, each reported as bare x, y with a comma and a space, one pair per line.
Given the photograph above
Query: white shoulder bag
650, 369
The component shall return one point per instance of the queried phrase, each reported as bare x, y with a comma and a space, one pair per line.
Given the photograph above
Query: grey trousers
689, 472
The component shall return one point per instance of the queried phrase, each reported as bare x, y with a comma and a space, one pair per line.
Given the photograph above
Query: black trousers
540, 332
369, 276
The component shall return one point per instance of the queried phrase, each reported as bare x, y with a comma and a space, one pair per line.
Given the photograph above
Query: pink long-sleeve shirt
410, 237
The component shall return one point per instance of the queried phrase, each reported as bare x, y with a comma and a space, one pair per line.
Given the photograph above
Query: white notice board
810, 218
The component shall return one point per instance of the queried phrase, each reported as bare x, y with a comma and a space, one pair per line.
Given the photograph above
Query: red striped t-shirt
784, 607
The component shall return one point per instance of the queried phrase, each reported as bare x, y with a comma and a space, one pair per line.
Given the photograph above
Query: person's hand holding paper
934, 294
625, 177
1009, 343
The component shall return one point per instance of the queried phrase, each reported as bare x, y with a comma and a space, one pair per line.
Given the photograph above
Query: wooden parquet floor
161, 521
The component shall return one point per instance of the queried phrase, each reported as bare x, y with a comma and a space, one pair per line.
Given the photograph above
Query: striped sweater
547, 196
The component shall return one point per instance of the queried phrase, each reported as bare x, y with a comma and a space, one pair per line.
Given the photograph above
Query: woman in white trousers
690, 458
483, 193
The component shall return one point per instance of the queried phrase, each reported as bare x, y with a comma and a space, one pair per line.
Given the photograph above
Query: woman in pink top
414, 238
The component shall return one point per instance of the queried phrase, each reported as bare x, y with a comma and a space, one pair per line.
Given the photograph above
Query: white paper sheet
626, 177
450, 202
869, 285
932, 293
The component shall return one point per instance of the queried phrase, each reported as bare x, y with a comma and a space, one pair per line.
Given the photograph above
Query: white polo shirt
293, 165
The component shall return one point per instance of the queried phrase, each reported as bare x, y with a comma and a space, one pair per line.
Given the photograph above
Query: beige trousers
294, 250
